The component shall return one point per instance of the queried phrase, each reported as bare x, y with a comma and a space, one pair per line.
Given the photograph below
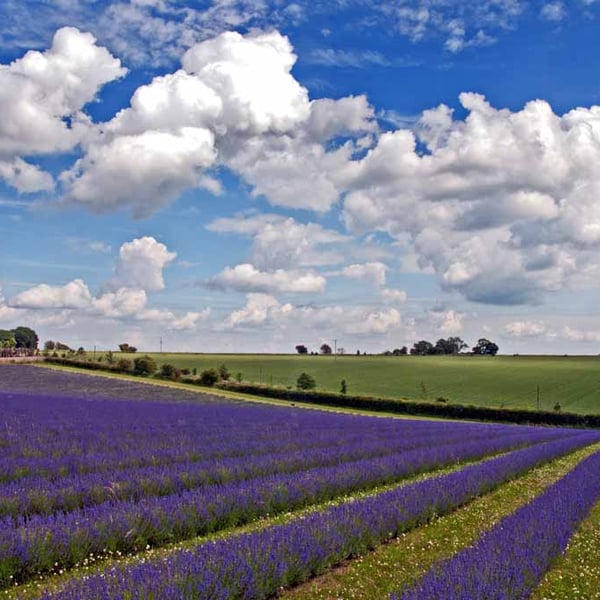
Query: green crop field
507, 381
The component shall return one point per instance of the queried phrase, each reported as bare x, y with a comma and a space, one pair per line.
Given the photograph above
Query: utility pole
161, 344
334, 349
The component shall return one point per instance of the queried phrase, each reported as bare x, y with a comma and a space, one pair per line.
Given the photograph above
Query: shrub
124, 365
144, 366
209, 377
169, 371
306, 382
224, 373
343, 387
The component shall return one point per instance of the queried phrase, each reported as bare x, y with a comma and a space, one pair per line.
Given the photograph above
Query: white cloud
262, 310
234, 103
141, 263
124, 302
74, 294
501, 206
525, 329
143, 171
448, 322
246, 278
348, 59
25, 177
392, 295
553, 11
258, 309
39, 91
372, 272
284, 243
578, 335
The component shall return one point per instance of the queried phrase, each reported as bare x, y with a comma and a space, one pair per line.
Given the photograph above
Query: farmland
500, 381
116, 489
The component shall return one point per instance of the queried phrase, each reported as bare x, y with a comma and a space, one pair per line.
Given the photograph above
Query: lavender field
112, 489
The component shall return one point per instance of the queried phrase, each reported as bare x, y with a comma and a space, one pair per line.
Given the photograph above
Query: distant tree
301, 349
452, 345
422, 348
61, 346
127, 348
209, 377
25, 337
49, 345
169, 371
400, 351
224, 373
306, 382
485, 347
144, 366
325, 349
81, 350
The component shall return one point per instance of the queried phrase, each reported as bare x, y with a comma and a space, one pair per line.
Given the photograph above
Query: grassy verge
406, 558
576, 574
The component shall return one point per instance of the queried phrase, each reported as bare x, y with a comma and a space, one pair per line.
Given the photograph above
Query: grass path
403, 560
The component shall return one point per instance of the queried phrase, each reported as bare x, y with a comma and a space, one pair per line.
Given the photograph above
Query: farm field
507, 381
114, 489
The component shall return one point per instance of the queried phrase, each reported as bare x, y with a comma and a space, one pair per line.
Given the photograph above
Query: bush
209, 377
169, 371
124, 365
144, 366
224, 373
306, 382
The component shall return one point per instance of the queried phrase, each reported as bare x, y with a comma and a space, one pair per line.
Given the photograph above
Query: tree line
451, 345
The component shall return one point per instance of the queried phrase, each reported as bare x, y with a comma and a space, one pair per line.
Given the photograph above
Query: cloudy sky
248, 175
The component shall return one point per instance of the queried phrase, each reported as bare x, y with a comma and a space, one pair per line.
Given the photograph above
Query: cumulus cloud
284, 243
525, 329
141, 263
553, 11
246, 278
258, 309
448, 322
263, 310
74, 294
392, 295
235, 103
25, 177
500, 205
372, 272
42, 91
577, 335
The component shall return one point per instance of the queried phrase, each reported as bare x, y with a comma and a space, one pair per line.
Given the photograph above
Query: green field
501, 381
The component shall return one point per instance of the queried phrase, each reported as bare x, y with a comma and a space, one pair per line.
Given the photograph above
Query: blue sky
251, 175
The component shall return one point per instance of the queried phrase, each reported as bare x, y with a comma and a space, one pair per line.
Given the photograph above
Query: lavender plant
255, 565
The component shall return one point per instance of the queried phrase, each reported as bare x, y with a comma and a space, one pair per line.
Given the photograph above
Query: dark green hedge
429, 409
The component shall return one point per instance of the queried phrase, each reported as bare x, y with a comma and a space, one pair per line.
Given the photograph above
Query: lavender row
44, 496
510, 559
54, 437
41, 543
256, 565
